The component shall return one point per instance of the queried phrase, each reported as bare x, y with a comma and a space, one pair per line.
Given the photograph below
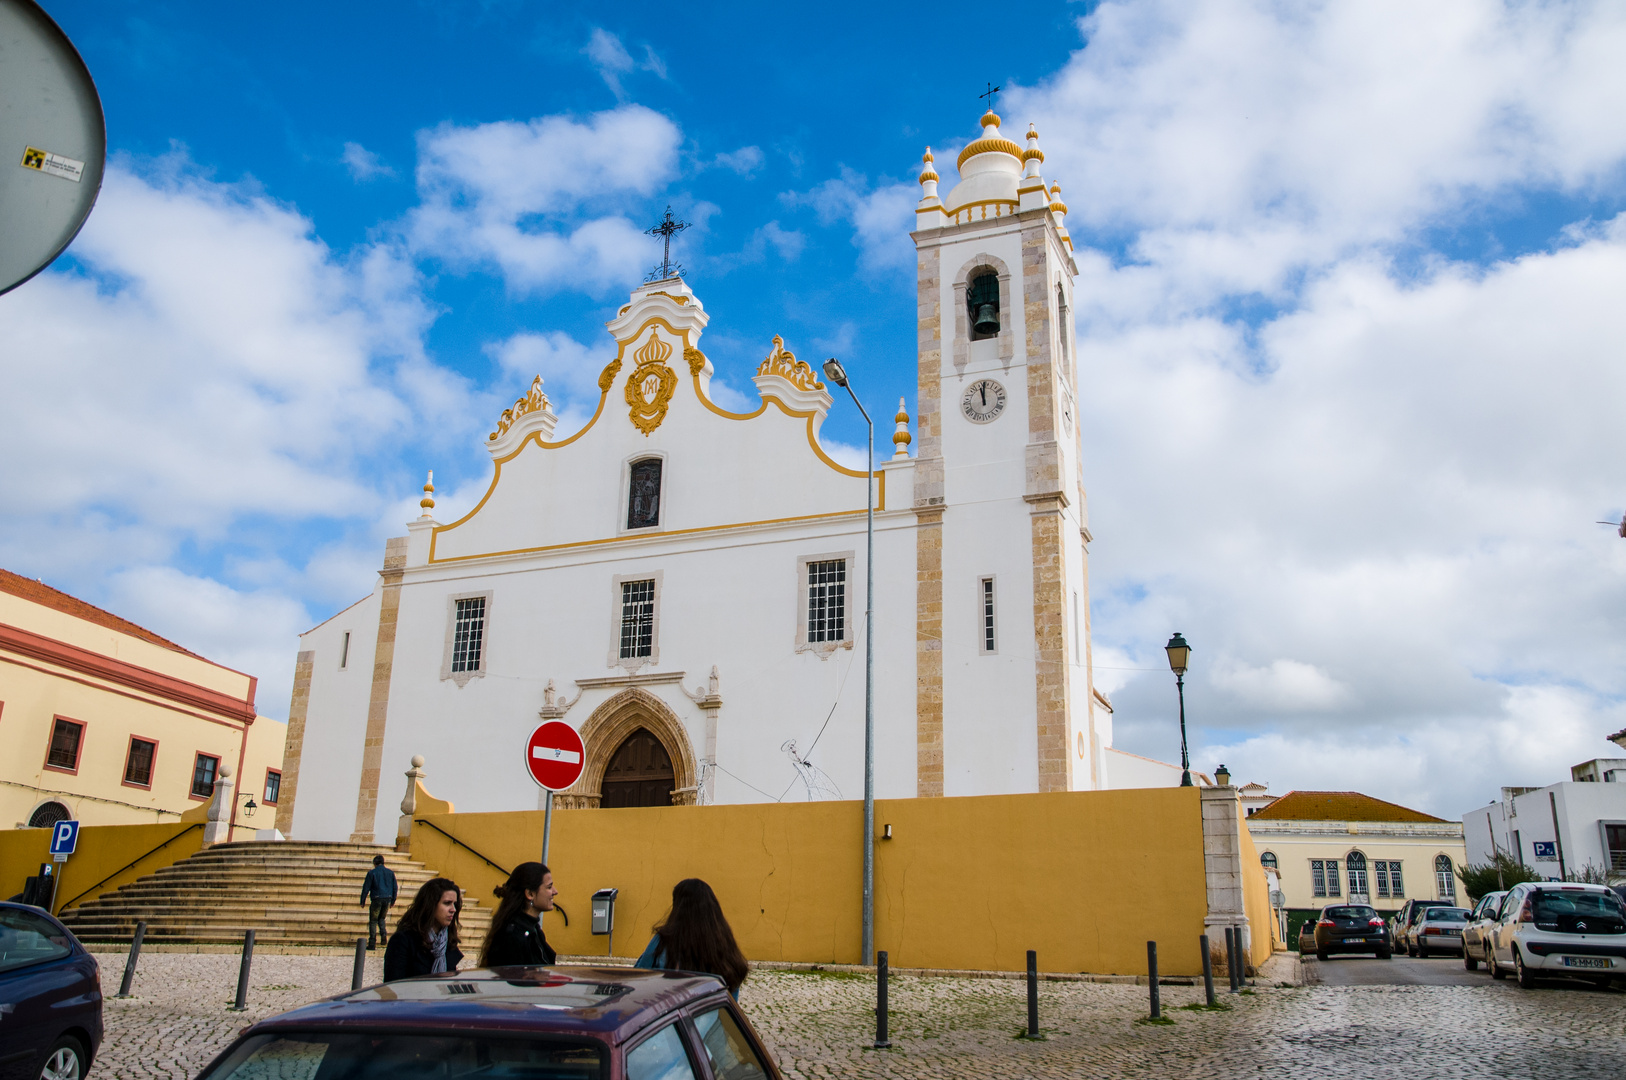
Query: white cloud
881, 216
363, 163
1358, 475
540, 200
745, 161
611, 58
569, 369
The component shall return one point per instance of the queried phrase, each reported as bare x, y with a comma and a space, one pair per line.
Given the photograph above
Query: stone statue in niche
644, 494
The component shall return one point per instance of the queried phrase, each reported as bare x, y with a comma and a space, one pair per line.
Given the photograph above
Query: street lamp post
1179, 652
838, 375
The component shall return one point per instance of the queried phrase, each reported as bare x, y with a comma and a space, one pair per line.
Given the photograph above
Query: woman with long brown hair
425, 940
695, 936
515, 938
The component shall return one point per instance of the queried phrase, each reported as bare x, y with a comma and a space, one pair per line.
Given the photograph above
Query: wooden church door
639, 773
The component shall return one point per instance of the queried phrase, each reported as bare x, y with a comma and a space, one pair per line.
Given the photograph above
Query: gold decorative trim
696, 359
674, 297
988, 145
1035, 152
606, 378
651, 384
782, 362
533, 401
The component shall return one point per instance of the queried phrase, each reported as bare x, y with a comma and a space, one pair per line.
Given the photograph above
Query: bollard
1233, 957
881, 1041
1208, 970
360, 969
130, 964
1033, 994
1151, 980
242, 972
1230, 960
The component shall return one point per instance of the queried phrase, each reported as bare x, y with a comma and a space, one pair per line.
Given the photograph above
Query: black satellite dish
53, 142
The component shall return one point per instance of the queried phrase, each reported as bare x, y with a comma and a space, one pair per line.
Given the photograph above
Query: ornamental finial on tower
901, 438
1032, 193
428, 500
928, 210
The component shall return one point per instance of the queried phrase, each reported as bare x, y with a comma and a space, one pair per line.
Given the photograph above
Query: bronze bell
987, 320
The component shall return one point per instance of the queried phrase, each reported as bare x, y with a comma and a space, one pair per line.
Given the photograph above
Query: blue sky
1347, 312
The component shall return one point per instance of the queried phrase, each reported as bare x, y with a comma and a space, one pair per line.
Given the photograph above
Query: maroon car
555, 1023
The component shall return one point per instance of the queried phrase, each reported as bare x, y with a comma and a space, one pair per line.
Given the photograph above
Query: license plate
1586, 961
1354, 941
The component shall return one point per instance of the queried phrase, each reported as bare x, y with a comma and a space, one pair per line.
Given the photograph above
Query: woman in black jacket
425, 940
515, 938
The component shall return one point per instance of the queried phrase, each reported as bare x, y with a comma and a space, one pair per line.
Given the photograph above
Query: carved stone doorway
639, 773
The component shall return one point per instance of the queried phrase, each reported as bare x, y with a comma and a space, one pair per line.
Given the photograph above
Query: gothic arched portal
611, 729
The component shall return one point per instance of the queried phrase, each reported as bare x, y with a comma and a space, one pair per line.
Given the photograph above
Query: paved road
1402, 970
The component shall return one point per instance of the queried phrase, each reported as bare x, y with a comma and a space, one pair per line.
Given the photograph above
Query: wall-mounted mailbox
604, 914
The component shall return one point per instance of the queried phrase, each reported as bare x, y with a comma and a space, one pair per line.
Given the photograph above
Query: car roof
613, 1003
1572, 886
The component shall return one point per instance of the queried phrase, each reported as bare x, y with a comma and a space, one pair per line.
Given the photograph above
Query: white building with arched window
684, 583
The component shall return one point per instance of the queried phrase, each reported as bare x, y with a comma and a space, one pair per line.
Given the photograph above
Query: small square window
138, 766
66, 737
204, 772
273, 787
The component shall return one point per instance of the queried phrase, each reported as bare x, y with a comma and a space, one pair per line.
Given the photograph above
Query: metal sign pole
547, 832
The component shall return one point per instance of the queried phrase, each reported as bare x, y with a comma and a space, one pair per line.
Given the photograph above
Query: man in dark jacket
380, 886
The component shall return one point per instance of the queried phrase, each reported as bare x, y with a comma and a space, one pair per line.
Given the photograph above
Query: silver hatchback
1437, 930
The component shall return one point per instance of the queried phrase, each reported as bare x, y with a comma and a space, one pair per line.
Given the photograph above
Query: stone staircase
290, 893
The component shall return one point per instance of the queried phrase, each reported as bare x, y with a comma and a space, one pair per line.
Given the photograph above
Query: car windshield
408, 1056
1560, 904
1447, 914
1349, 913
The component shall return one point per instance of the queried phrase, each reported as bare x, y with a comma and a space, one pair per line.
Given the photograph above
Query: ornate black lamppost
1178, 652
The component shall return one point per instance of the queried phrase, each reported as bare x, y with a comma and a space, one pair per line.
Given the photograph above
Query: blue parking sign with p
64, 837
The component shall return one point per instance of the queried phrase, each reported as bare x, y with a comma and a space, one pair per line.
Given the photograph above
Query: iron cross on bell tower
666, 228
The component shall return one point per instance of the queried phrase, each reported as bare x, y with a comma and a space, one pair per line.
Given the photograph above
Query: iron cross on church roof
666, 228
991, 95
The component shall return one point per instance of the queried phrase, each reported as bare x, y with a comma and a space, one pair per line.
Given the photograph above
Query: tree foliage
1502, 872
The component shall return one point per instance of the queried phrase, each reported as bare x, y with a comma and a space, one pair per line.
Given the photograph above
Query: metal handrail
69, 903
496, 866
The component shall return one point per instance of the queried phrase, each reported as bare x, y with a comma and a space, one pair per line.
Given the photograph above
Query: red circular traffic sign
555, 755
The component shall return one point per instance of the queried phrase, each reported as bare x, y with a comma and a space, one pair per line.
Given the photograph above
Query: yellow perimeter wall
1085, 878
1256, 902
101, 850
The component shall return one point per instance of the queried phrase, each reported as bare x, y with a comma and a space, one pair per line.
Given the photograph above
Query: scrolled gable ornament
534, 401
651, 384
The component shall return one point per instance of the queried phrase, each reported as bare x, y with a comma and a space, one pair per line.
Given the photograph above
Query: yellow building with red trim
108, 723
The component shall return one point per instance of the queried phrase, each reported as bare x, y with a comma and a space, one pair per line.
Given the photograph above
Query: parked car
1307, 937
578, 1022
1350, 928
1401, 921
1438, 929
50, 998
1557, 929
1480, 919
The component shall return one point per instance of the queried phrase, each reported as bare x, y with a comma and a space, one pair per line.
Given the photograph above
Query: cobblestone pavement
821, 1024
1401, 969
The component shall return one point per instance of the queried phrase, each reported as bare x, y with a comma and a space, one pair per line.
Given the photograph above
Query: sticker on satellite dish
55, 164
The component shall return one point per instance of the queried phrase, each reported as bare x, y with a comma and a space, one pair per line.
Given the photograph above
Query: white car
1475, 936
1558, 929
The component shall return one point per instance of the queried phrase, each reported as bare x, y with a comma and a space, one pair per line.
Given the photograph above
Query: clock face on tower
983, 401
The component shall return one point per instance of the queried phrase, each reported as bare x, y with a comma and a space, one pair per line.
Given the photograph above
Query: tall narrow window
988, 638
469, 634
637, 618
1380, 877
827, 600
204, 771
1355, 864
273, 787
344, 651
1333, 888
1078, 638
1397, 888
644, 494
1445, 882
1061, 324
1318, 877
982, 304
66, 735
138, 766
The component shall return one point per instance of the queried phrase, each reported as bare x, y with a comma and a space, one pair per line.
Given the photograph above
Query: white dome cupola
990, 173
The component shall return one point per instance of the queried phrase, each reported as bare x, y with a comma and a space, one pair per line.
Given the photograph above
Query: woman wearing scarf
425, 940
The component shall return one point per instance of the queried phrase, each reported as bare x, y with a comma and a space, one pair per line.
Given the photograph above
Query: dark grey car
50, 998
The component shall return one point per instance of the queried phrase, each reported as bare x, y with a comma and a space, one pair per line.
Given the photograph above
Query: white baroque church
684, 584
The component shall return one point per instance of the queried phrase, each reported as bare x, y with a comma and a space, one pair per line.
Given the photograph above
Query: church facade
685, 584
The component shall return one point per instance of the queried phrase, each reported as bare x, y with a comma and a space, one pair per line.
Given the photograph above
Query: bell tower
1005, 699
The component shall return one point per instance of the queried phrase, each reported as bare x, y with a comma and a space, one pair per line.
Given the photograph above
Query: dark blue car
544, 1023
50, 998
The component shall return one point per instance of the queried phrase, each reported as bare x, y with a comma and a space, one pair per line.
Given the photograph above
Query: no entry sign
555, 755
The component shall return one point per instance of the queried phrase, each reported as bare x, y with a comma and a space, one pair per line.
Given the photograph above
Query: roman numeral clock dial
983, 401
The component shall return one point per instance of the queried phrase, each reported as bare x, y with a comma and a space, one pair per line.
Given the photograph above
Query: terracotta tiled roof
56, 600
1337, 806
